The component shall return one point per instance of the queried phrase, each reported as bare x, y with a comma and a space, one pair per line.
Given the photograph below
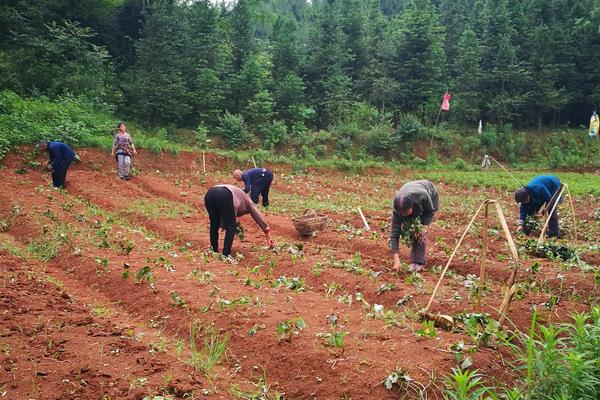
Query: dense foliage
265, 73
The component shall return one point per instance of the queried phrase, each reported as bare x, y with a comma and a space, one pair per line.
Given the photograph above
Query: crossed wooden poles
510, 288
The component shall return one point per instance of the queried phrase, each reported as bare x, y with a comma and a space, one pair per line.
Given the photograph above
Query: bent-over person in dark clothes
257, 181
540, 190
416, 199
224, 203
61, 156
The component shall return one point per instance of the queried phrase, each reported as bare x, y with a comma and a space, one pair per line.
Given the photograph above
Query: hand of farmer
135, 151
269, 240
47, 166
520, 228
397, 262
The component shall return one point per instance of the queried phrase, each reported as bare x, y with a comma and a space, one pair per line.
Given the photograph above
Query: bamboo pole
203, 162
254, 161
572, 211
367, 227
510, 286
437, 286
543, 232
483, 257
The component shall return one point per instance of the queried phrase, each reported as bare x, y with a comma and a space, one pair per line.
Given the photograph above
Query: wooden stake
572, 211
254, 161
203, 162
510, 288
543, 233
364, 219
483, 258
437, 286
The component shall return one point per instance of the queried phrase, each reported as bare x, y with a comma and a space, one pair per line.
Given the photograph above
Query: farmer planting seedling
60, 158
257, 182
416, 202
541, 191
224, 203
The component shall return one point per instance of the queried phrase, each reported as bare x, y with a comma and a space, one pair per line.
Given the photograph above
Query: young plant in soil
177, 300
287, 329
146, 274
427, 330
294, 283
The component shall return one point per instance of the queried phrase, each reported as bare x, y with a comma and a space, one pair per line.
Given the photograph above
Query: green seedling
287, 329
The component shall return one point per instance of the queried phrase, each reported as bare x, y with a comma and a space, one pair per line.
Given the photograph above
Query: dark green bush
233, 129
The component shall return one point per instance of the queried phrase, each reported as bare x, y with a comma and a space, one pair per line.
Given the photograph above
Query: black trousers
261, 187
59, 174
219, 204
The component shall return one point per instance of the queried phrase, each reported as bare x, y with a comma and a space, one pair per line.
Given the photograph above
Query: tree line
276, 69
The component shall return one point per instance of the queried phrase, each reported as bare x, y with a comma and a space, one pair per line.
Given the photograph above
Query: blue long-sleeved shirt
541, 190
60, 154
250, 176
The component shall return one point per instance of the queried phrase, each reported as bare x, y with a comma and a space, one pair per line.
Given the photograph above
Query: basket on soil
310, 222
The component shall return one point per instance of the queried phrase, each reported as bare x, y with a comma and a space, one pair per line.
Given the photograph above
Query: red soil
79, 360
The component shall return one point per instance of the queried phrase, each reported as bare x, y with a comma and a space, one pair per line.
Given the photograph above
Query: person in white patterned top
123, 148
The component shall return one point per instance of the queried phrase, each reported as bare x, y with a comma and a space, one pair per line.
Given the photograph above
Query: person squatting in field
540, 190
124, 148
61, 156
257, 181
224, 203
416, 199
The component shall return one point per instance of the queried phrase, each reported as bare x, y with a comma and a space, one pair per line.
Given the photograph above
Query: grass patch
9, 245
160, 208
214, 346
579, 184
100, 311
44, 248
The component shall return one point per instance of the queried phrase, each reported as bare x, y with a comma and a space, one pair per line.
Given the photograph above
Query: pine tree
466, 85
419, 56
155, 87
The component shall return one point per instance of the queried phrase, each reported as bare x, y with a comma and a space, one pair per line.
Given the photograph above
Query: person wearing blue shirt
61, 156
257, 181
541, 190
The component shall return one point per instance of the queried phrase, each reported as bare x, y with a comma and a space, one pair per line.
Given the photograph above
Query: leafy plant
465, 385
386, 287
427, 329
286, 329
551, 250
177, 300
532, 223
410, 230
145, 273
295, 283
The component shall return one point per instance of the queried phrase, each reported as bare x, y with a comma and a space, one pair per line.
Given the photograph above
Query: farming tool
510, 288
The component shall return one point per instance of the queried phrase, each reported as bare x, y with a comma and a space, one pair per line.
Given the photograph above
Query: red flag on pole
446, 102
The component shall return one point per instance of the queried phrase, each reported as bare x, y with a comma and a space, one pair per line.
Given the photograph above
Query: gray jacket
426, 203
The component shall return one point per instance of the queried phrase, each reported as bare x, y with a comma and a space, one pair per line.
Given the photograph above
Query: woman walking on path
224, 203
124, 148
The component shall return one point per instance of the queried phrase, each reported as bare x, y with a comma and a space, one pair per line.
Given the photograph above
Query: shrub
275, 135
459, 164
233, 129
380, 140
409, 127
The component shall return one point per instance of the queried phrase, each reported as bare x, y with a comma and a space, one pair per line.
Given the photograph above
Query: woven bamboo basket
310, 222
